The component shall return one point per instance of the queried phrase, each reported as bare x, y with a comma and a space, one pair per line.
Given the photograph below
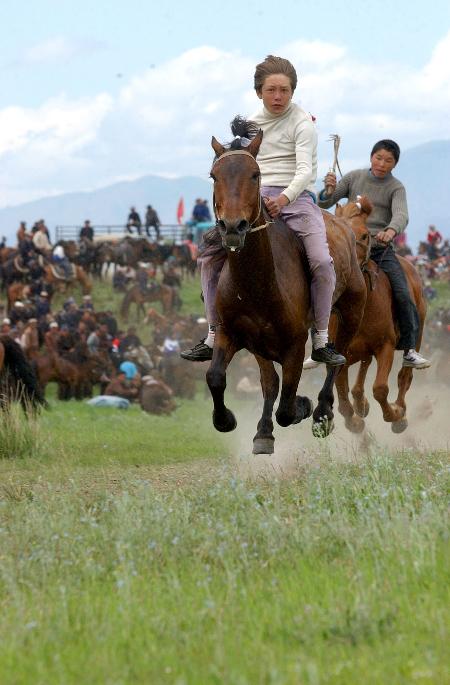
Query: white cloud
163, 118
58, 49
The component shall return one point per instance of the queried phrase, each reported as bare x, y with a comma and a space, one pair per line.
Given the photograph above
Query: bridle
252, 228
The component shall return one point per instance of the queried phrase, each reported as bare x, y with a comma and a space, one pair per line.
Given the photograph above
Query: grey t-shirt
388, 196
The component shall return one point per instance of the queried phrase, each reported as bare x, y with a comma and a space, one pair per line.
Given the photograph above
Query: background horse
59, 283
17, 378
378, 334
161, 293
263, 297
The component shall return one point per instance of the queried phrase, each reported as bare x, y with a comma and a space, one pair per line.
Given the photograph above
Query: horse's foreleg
323, 415
353, 422
224, 351
360, 401
385, 357
263, 441
292, 409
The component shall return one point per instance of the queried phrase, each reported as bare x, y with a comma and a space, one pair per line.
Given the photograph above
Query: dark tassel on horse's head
244, 131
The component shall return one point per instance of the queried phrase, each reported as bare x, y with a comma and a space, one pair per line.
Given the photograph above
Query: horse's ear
253, 146
338, 211
217, 147
366, 205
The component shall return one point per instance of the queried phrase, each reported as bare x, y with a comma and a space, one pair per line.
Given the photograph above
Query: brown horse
61, 284
17, 378
263, 298
378, 334
75, 378
161, 293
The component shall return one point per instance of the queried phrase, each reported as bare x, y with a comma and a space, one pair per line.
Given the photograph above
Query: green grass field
134, 550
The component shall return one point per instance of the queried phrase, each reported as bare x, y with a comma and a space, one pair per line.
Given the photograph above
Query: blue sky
94, 92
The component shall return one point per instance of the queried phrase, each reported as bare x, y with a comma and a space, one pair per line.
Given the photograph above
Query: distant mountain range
110, 205
423, 169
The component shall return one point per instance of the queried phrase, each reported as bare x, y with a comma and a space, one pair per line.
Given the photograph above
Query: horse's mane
243, 130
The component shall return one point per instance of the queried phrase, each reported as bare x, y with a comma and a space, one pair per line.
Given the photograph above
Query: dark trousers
405, 309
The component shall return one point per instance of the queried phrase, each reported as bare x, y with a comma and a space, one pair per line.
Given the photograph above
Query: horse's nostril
221, 225
242, 226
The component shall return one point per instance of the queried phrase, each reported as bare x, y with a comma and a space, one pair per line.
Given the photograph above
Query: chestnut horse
263, 298
160, 293
378, 334
61, 284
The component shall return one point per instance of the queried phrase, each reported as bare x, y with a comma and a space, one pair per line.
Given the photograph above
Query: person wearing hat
51, 336
5, 327
30, 339
42, 305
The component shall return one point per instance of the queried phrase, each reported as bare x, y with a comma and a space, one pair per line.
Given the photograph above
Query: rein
252, 228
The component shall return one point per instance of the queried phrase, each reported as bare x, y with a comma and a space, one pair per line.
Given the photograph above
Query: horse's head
237, 198
356, 214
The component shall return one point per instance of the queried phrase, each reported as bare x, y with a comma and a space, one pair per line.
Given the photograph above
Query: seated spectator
121, 387
40, 240
134, 221
59, 258
131, 339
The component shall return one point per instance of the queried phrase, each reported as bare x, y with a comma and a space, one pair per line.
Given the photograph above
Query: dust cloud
428, 402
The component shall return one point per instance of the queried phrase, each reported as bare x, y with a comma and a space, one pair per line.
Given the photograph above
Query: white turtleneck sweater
287, 157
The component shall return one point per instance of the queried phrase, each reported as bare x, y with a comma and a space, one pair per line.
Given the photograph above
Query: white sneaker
415, 360
310, 364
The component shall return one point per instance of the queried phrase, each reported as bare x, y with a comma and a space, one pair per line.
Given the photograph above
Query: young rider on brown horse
288, 163
388, 218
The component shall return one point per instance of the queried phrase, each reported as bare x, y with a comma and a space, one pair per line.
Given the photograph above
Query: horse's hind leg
263, 442
360, 401
224, 351
405, 376
353, 422
385, 357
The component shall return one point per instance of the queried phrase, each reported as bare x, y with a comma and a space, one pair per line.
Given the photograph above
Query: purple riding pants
303, 217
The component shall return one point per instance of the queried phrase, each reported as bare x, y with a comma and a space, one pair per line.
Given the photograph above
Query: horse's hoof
362, 408
263, 445
284, 419
355, 423
227, 424
399, 426
323, 427
303, 408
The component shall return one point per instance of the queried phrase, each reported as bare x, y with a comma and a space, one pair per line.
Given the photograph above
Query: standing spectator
134, 220
87, 232
206, 212
434, 239
198, 211
152, 220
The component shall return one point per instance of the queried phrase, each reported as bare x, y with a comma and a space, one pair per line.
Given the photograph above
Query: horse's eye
256, 175
213, 177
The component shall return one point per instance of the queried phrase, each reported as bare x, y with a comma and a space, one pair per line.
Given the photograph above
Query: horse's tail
23, 375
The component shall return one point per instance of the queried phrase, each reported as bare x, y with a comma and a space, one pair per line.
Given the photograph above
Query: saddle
18, 265
60, 273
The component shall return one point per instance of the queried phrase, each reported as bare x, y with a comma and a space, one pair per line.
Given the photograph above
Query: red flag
180, 211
